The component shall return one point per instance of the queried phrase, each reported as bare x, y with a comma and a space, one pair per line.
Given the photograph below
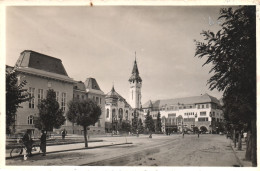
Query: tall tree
232, 53
15, 95
50, 114
140, 126
158, 123
134, 122
149, 123
84, 113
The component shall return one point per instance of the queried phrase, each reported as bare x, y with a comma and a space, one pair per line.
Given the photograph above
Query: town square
131, 86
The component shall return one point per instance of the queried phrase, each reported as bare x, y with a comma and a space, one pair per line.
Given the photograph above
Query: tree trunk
248, 146
254, 144
239, 146
234, 138
85, 136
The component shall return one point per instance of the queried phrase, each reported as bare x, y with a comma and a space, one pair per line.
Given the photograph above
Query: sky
101, 42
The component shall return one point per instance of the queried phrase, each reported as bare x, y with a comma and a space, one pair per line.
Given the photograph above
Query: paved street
161, 150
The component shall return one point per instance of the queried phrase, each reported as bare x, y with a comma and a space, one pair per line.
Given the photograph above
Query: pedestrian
63, 133
183, 134
43, 143
245, 136
27, 140
198, 134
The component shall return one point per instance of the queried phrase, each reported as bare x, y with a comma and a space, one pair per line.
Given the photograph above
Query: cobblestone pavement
161, 150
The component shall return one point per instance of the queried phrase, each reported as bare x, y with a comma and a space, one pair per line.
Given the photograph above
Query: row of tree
137, 125
232, 53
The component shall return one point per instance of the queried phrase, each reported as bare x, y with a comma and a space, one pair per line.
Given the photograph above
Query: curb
239, 161
65, 143
72, 150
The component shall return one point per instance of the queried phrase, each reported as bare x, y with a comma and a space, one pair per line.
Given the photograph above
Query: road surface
161, 150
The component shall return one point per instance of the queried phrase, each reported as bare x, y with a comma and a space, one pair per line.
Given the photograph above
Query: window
202, 119
100, 101
93, 98
30, 120
31, 95
203, 113
83, 97
57, 96
126, 115
63, 101
107, 113
77, 96
40, 95
198, 106
97, 100
202, 106
207, 105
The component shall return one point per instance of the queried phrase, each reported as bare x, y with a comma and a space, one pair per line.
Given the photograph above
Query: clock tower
135, 88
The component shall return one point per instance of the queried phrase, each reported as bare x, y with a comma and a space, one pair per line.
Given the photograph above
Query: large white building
185, 113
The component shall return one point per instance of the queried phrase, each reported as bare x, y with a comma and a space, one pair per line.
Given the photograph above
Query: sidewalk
240, 154
79, 146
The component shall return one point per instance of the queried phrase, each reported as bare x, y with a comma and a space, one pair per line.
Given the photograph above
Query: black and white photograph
130, 85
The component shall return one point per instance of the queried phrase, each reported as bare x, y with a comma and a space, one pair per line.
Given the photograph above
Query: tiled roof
43, 73
135, 74
187, 100
80, 86
32, 59
116, 96
91, 83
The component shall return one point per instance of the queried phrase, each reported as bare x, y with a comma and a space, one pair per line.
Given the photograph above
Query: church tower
135, 88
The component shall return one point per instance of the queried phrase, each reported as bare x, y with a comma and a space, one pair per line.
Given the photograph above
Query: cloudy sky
100, 42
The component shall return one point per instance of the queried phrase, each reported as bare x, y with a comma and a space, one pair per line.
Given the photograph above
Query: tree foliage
149, 123
15, 95
232, 54
158, 123
50, 114
84, 113
140, 126
135, 122
125, 126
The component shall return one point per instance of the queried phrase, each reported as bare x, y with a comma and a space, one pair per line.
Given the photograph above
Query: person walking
63, 133
43, 143
183, 134
198, 134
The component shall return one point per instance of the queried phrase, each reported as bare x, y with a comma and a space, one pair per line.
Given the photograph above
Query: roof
135, 74
91, 83
186, 100
116, 96
92, 86
32, 59
80, 86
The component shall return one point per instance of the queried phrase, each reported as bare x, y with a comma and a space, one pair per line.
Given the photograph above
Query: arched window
107, 113
30, 120
120, 111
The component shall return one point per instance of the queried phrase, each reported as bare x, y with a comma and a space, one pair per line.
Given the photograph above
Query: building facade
43, 72
117, 110
185, 113
90, 90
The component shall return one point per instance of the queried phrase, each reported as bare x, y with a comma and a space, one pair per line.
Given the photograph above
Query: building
117, 110
185, 113
41, 72
90, 90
